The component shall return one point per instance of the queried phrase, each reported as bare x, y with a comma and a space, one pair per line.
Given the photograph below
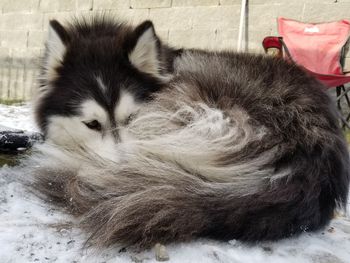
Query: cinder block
230, 2
11, 39
283, 2
66, 5
293, 11
163, 35
25, 53
54, 5
150, 3
269, 2
195, 2
204, 39
326, 12
4, 52
132, 16
226, 39
17, 6
255, 38
84, 5
36, 39
30, 81
177, 18
62, 17
264, 17
48, 6
219, 17
110, 4
202, 17
21, 21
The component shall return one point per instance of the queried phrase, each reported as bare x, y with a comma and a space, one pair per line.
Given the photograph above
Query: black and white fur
148, 144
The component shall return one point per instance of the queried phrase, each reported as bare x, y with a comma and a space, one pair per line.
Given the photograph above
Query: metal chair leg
345, 122
342, 92
339, 96
346, 96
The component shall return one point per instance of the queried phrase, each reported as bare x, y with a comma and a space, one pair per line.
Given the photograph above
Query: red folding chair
319, 49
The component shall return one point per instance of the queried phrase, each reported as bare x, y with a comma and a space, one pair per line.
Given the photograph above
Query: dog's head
95, 75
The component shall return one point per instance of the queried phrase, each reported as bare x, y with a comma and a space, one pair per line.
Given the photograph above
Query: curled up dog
146, 143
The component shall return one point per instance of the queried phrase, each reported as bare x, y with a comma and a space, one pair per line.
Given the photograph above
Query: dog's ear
55, 48
145, 53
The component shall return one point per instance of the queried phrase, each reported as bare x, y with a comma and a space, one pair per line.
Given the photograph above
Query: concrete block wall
209, 24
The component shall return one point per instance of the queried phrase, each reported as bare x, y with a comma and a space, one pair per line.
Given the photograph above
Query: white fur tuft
126, 106
101, 84
56, 50
145, 54
204, 136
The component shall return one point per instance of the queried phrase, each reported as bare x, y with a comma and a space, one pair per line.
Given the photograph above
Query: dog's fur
190, 143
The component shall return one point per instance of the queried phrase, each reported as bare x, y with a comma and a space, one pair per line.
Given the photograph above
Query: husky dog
150, 144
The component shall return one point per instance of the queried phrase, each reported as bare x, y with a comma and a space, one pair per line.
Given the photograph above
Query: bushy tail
164, 203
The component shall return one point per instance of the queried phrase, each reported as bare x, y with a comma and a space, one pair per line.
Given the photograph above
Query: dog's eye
129, 118
93, 125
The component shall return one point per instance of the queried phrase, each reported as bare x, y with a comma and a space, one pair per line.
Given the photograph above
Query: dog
146, 143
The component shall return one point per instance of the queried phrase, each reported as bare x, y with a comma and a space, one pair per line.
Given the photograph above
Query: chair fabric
317, 47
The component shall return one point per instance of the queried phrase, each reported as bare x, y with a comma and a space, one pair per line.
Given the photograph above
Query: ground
34, 231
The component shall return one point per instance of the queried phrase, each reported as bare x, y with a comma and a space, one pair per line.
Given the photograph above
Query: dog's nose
114, 131
111, 131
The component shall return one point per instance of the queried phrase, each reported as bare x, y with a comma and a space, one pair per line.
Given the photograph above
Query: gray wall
192, 23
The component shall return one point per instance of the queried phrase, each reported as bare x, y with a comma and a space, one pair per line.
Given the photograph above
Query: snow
17, 116
34, 231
